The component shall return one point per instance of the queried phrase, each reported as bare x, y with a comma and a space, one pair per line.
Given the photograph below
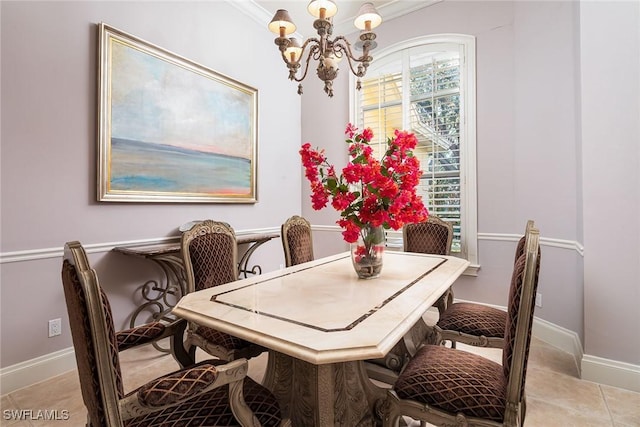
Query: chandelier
327, 51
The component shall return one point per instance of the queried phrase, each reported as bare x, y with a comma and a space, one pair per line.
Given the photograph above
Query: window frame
468, 170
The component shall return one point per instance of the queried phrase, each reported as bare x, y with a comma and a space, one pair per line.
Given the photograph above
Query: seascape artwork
144, 166
177, 132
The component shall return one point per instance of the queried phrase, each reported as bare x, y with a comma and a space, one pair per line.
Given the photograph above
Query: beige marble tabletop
320, 312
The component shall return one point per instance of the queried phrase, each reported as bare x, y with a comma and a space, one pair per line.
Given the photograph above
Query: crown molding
390, 10
256, 12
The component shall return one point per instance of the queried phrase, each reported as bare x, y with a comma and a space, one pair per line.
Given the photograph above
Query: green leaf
332, 184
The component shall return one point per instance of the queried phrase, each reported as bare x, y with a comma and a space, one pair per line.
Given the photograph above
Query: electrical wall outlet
55, 327
538, 299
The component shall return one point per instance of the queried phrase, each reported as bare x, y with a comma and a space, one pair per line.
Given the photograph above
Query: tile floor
555, 395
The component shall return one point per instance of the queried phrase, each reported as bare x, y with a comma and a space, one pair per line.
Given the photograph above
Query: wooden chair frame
200, 229
194, 339
440, 335
174, 330
117, 410
394, 408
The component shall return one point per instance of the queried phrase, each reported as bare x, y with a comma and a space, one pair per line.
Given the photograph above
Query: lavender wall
557, 123
546, 151
48, 174
610, 63
527, 139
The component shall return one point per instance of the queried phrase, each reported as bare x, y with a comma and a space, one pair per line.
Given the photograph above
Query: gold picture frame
171, 130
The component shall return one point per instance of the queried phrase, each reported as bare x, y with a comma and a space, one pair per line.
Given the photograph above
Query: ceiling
263, 10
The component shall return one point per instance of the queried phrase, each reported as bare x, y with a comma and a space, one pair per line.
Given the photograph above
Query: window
427, 86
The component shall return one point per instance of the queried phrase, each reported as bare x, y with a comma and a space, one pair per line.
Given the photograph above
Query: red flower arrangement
369, 192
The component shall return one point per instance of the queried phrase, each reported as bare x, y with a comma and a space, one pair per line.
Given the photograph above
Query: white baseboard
611, 372
559, 337
33, 371
591, 368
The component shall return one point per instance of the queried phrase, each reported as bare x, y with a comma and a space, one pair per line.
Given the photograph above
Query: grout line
606, 404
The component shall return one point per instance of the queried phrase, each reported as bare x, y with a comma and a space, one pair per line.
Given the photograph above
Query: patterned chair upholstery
446, 386
475, 324
433, 236
209, 393
210, 257
296, 241
149, 332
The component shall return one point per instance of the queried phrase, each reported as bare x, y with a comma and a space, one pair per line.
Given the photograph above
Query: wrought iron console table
160, 296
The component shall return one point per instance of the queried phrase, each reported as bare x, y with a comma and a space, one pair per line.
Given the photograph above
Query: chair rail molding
394, 242
544, 241
35, 254
44, 253
503, 237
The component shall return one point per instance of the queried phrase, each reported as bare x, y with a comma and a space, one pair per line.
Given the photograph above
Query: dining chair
296, 240
208, 393
148, 333
472, 323
433, 236
210, 257
448, 386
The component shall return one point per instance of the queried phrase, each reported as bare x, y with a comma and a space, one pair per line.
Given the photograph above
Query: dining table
321, 323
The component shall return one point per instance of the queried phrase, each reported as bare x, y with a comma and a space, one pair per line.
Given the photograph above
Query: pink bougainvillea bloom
350, 130
351, 231
368, 192
367, 134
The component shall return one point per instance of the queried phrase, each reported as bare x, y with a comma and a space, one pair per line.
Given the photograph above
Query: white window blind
421, 88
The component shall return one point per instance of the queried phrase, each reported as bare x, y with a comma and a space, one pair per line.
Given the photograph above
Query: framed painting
171, 130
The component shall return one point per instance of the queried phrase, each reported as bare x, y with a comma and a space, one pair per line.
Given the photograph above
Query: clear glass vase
368, 252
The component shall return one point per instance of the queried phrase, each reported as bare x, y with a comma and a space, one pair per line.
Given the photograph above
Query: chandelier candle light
325, 50
371, 195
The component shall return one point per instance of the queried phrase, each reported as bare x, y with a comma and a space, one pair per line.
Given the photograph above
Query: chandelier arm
314, 47
346, 48
284, 57
312, 50
307, 43
340, 47
302, 49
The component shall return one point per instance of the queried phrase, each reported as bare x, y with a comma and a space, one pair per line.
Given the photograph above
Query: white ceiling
263, 10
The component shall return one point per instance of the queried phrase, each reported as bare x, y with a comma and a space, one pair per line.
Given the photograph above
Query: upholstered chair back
432, 236
92, 331
296, 240
520, 309
210, 255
